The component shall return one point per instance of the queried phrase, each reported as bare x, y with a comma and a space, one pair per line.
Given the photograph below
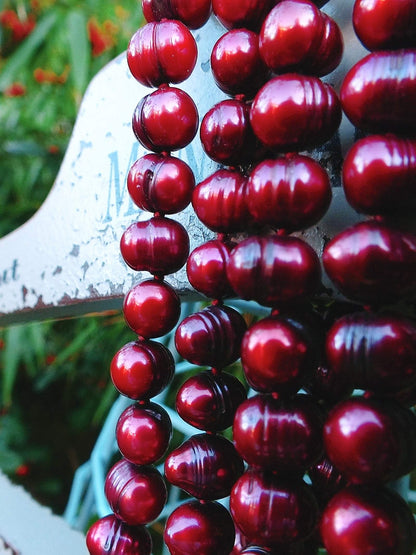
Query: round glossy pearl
287, 268
206, 466
206, 269
211, 337
270, 511
194, 14
276, 356
241, 13
292, 192
151, 308
207, 527
283, 436
111, 536
372, 263
159, 245
142, 369
209, 400
378, 93
296, 36
370, 440
165, 120
143, 433
226, 133
376, 351
363, 521
385, 24
220, 201
159, 183
294, 112
162, 52
136, 494
236, 64
379, 173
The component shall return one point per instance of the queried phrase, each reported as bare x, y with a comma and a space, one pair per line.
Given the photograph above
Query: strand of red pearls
372, 439
162, 53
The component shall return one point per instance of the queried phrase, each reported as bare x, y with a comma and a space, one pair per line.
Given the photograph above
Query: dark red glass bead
281, 435
159, 183
162, 52
159, 245
325, 384
376, 351
297, 36
194, 14
220, 201
385, 24
226, 133
241, 13
270, 511
136, 494
111, 536
206, 466
143, 433
207, 269
372, 263
236, 64
276, 356
152, 308
211, 337
364, 520
326, 480
142, 369
165, 120
295, 112
370, 440
378, 93
209, 400
379, 173
292, 192
286, 267
204, 528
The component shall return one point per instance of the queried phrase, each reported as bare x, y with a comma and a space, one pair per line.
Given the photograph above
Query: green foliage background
55, 388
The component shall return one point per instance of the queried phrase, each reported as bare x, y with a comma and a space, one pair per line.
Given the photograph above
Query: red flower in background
42, 75
15, 89
19, 28
102, 37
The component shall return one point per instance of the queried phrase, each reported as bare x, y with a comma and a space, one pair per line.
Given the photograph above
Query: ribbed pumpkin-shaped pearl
376, 351
111, 536
379, 174
276, 356
296, 36
372, 262
206, 466
162, 52
241, 13
236, 64
287, 268
206, 269
151, 308
159, 183
211, 337
194, 14
270, 511
364, 520
209, 400
371, 440
136, 494
326, 480
378, 93
159, 245
142, 369
165, 120
385, 24
291, 192
283, 436
220, 201
207, 525
295, 112
143, 433
226, 133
